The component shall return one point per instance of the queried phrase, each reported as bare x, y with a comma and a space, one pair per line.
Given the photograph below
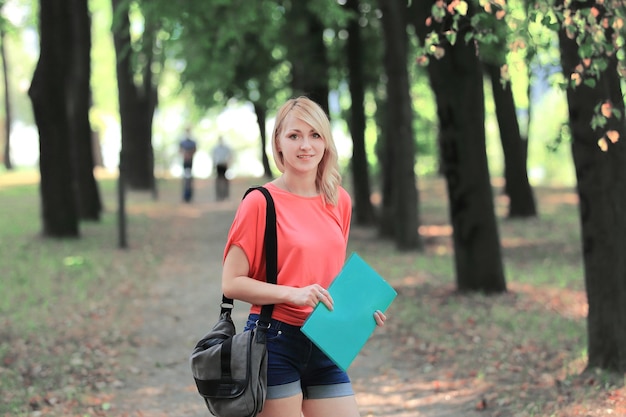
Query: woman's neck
298, 186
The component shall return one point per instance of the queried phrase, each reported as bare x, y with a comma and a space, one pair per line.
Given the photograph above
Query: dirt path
182, 304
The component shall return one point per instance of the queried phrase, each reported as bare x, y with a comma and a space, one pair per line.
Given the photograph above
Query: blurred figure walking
222, 156
187, 149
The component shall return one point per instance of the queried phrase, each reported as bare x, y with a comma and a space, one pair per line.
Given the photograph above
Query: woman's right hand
311, 295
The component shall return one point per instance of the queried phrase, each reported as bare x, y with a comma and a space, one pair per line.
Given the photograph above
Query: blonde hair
303, 108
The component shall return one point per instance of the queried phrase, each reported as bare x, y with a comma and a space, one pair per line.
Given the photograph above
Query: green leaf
597, 121
590, 82
451, 36
617, 113
601, 64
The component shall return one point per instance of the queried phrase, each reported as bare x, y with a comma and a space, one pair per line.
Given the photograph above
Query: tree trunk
261, 118
48, 95
521, 198
7, 102
307, 54
457, 82
385, 160
399, 132
137, 106
364, 213
79, 99
601, 181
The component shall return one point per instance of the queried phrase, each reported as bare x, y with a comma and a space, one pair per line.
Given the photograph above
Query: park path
181, 304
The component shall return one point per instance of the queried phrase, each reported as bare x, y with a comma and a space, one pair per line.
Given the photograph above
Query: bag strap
271, 257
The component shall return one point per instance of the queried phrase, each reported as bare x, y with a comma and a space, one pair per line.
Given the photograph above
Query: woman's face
301, 145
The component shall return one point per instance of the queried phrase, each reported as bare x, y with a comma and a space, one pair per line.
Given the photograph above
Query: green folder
358, 291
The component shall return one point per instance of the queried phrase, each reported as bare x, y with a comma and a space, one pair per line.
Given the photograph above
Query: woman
313, 221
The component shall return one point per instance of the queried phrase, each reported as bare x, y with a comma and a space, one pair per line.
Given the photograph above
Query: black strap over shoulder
271, 256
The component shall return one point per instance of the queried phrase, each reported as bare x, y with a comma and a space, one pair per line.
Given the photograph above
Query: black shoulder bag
230, 368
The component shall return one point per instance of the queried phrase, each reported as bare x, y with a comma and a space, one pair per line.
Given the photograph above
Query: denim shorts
296, 365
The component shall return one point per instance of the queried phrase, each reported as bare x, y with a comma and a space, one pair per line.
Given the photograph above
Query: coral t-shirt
312, 242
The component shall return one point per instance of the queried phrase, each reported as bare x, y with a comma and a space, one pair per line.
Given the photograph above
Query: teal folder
358, 291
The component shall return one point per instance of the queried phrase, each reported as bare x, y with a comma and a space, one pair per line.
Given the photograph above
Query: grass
54, 292
66, 306
42, 274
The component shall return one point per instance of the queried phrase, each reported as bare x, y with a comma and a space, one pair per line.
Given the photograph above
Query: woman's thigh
283, 407
324, 407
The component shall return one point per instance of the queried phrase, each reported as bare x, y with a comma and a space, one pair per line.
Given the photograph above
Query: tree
79, 103
7, 96
231, 50
306, 52
517, 187
48, 95
590, 66
401, 210
254, 71
456, 77
591, 42
138, 98
364, 213
493, 50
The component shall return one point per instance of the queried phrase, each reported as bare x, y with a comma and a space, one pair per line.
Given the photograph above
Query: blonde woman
313, 216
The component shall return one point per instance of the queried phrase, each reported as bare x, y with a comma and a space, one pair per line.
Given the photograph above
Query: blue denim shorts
296, 365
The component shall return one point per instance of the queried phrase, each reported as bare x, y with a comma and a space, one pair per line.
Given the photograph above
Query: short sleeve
248, 231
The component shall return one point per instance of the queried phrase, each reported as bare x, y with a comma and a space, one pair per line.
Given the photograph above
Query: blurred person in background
187, 149
222, 156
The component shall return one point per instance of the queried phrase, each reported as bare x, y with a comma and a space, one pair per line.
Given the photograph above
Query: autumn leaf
606, 109
439, 52
613, 135
461, 8
422, 60
453, 4
605, 23
481, 405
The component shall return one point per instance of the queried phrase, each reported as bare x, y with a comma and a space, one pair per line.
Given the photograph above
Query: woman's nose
306, 143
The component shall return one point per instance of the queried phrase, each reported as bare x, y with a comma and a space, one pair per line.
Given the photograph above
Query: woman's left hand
380, 318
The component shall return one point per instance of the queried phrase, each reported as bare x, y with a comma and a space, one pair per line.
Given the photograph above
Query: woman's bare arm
237, 284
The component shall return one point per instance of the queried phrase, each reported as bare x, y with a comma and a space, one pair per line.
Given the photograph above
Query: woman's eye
317, 135
293, 136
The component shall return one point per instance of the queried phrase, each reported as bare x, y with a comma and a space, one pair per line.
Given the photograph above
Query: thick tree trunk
601, 184
307, 53
7, 102
472, 214
399, 132
48, 95
261, 118
457, 81
79, 99
364, 213
521, 198
137, 106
